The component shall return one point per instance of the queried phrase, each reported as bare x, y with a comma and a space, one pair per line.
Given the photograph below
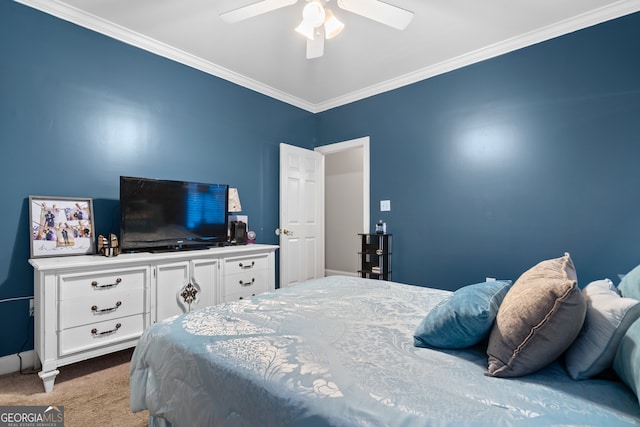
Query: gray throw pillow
539, 318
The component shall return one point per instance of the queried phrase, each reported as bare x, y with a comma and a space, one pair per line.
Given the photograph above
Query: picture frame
61, 226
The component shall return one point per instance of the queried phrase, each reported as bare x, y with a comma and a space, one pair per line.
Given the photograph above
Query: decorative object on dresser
234, 200
108, 246
61, 226
237, 223
238, 233
375, 256
86, 306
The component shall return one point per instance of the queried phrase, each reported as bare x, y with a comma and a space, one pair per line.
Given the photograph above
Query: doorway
347, 202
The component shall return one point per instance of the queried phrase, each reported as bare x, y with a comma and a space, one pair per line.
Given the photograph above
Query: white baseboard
339, 273
11, 363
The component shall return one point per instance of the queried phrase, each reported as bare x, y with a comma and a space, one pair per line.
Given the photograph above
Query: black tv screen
160, 214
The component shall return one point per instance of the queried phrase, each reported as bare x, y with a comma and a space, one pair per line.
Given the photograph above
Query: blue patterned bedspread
339, 352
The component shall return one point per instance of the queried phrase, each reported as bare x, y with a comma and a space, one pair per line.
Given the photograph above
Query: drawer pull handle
253, 295
94, 331
243, 283
106, 310
108, 285
244, 267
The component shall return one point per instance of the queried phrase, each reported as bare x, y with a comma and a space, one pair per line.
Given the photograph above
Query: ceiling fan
318, 22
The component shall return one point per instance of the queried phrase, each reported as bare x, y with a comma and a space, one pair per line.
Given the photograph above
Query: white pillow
608, 318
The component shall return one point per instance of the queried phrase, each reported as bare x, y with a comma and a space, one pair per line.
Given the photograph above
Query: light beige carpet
94, 392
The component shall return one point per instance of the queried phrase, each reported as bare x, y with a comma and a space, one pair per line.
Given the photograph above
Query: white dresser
90, 305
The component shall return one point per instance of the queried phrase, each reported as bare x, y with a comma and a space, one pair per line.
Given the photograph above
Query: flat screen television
165, 215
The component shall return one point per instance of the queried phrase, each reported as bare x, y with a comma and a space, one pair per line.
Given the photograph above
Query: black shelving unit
375, 256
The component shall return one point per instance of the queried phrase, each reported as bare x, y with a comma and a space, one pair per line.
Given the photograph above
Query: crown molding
118, 32
92, 22
607, 13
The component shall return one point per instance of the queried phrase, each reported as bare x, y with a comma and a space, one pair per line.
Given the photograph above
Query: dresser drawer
243, 285
99, 334
104, 281
101, 306
245, 264
246, 293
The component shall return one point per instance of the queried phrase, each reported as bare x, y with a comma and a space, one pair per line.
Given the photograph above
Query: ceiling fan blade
379, 11
315, 47
254, 9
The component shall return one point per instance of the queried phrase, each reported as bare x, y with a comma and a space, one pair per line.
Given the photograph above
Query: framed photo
61, 226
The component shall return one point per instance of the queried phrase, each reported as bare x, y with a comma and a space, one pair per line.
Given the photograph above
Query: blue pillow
630, 285
627, 361
464, 319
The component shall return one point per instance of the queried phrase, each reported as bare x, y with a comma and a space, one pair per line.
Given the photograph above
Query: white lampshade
306, 30
314, 13
332, 26
234, 200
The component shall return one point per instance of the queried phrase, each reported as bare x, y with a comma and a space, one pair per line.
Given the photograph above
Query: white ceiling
265, 54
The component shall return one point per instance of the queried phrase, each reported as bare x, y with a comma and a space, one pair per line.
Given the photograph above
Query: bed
339, 351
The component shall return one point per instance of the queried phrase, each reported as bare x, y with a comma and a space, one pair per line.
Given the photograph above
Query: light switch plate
385, 205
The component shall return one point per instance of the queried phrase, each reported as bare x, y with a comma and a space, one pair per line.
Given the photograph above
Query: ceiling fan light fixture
306, 30
318, 22
332, 25
314, 13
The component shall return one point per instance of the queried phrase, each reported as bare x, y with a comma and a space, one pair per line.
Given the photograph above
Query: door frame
364, 144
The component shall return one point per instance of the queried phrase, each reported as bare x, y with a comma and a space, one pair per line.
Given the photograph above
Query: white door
301, 215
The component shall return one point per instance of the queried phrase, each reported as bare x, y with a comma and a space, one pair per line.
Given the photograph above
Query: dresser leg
48, 378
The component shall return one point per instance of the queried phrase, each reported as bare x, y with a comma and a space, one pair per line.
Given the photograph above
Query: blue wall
496, 166
78, 109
